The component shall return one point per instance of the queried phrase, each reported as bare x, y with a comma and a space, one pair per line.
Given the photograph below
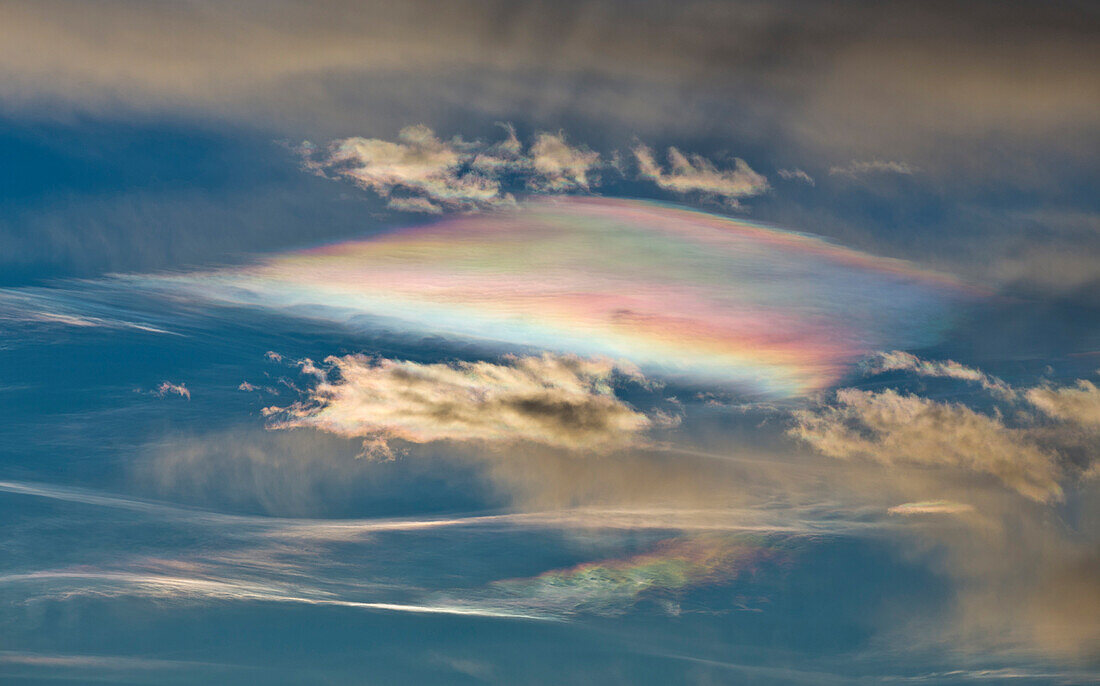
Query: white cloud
795, 175
897, 360
696, 174
558, 401
930, 507
864, 167
421, 173
428, 174
891, 428
169, 388
560, 166
1080, 403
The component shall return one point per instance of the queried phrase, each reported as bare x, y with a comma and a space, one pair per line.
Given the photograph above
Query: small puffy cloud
864, 167
560, 166
169, 388
696, 174
426, 174
558, 401
1079, 404
795, 175
891, 428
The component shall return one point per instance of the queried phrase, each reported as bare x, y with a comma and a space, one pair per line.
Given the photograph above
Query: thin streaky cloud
857, 168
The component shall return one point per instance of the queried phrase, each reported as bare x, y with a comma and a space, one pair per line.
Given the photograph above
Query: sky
549, 342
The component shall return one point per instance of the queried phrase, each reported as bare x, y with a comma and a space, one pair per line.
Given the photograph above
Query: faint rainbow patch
663, 575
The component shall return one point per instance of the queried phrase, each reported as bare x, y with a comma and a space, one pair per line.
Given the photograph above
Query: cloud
57, 307
1030, 455
795, 175
432, 173
864, 167
169, 388
891, 428
559, 401
898, 360
1042, 559
421, 173
612, 586
559, 166
931, 507
689, 174
1080, 403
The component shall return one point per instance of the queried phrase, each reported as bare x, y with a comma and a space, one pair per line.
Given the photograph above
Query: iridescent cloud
683, 294
614, 585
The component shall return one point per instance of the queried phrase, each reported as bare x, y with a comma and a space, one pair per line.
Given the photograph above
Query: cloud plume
694, 174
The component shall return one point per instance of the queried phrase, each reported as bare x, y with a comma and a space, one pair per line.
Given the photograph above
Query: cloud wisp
899, 360
931, 507
559, 401
859, 168
796, 174
696, 175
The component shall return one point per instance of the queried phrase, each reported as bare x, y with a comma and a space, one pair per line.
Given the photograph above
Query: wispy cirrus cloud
695, 174
857, 168
559, 401
931, 507
899, 360
795, 175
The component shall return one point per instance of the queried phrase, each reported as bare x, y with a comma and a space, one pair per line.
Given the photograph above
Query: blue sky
524, 343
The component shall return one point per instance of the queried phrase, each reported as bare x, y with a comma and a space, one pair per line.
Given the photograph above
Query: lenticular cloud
683, 294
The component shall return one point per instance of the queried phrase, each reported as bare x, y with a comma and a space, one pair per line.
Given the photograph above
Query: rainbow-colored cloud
683, 294
612, 586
